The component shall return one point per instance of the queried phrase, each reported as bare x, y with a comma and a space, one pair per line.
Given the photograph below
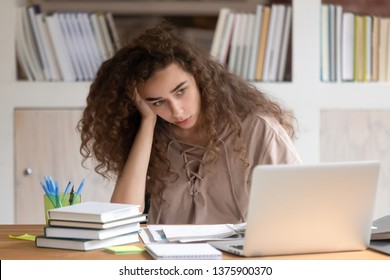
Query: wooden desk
14, 249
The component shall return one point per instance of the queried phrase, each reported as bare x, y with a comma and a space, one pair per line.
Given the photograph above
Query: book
88, 233
367, 48
325, 70
85, 244
113, 31
285, 43
382, 49
375, 48
93, 211
80, 224
32, 11
218, 34
255, 43
226, 39
275, 46
70, 44
262, 43
196, 233
347, 47
381, 228
195, 251
64, 61
359, 49
48, 48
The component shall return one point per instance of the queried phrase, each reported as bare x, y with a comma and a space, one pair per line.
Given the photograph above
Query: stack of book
91, 225
257, 45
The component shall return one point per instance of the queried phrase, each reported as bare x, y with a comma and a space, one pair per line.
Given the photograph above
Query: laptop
308, 208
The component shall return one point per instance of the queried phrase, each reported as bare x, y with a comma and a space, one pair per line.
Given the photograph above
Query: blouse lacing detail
231, 181
192, 176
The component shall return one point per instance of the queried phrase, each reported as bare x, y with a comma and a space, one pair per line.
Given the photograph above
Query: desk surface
13, 249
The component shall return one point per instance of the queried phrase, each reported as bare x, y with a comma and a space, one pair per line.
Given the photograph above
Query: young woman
177, 129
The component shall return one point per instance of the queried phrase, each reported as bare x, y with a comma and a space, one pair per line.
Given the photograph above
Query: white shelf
148, 7
306, 95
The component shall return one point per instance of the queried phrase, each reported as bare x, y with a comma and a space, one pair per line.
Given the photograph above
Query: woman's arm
131, 183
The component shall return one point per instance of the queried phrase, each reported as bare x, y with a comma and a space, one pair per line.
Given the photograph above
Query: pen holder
47, 202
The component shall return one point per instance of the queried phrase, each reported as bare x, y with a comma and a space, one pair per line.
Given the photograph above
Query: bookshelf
320, 108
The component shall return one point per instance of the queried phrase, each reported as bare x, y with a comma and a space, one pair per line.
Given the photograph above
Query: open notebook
314, 208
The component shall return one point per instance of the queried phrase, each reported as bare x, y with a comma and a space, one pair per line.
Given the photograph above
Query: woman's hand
143, 107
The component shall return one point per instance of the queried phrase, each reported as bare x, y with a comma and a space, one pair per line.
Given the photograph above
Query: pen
48, 194
65, 193
80, 188
71, 196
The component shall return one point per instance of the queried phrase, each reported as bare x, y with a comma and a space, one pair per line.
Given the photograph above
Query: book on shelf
347, 47
375, 47
254, 45
284, 45
354, 46
93, 211
89, 233
196, 251
85, 244
262, 43
26, 47
64, 61
92, 225
219, 31
63, 45
325, 72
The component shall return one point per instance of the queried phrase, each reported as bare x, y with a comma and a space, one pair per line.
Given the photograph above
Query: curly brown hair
110, 120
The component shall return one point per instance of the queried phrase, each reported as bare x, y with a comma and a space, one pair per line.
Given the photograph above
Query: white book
383, 49
31, 50
21, 48
284, 45
94, 225
273, 63
92, 211
218, 33
269, 46
367, 48
234, 42
62, 54
347, 47
48, 47
85, 244
106, 34
78, 48
98, 33
226, 40
195, 251
32, 11
255, 43
249, 33
332, 42
339, 25
375, 48
89, 40
70, 44
82, 44
325, 70
241, 44
113, 31
84, 233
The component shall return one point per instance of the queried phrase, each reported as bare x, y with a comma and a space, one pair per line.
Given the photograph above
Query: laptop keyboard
239, 247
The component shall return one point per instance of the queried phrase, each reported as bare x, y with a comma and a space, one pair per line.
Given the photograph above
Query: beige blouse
219, 192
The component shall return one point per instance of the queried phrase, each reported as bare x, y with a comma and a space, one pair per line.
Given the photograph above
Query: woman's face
174, 96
